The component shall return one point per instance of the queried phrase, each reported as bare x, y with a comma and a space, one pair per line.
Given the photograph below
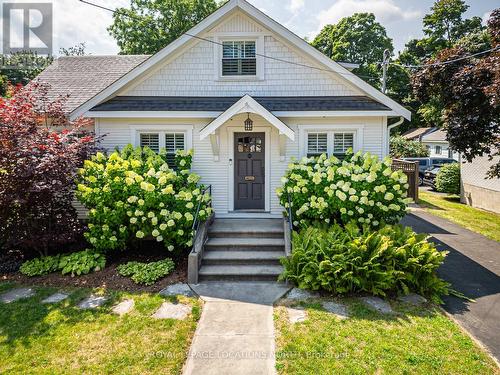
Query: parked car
425, 164
430, 176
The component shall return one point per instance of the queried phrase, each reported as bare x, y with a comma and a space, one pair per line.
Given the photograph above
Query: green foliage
448, 179
79, 263
348, 259
40, 266
134, 194
82, 263
146, 273
358, 38
359, 188
149, 25
404, 148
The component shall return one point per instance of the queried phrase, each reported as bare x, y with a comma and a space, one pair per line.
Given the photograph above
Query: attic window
239, 58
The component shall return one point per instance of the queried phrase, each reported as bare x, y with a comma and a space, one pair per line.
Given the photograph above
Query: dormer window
239, 58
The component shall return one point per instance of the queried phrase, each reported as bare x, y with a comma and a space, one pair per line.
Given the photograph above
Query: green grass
415, 341
449, 207
61, 339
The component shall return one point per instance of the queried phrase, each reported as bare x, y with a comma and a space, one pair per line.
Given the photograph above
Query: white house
241, 90
435, 141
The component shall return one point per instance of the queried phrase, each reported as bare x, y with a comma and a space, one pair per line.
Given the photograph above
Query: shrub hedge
448, 179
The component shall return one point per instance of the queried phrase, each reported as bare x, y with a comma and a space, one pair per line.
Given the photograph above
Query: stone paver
124, 307
169, 310
338, 309
92, 302
413, 299
297, 294
16, 294
56, 298
377, 304
235, 334
177, 290
296, 314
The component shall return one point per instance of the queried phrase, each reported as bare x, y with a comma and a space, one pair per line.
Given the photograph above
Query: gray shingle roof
436, 136
83, 77
220, 104
415, 133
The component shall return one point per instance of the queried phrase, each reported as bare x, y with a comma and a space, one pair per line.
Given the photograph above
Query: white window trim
304, 130
259, 50
136, 130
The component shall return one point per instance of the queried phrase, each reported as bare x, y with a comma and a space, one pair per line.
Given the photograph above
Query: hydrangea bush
135, 194
359, 188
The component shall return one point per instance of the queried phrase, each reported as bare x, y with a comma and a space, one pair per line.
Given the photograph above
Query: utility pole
385, 65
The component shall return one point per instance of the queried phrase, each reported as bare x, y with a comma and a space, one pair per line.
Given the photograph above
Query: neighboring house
477, 190
435, 141
245, 115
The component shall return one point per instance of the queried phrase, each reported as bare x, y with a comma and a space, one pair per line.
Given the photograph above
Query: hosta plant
134, 194
350, 259
147, 273
359, 188
40, 266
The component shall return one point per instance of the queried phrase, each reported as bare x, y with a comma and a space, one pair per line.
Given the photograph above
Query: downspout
389, 128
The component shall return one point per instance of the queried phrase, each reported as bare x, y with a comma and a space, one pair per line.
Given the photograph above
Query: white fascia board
151, 114
311, 114
247, 104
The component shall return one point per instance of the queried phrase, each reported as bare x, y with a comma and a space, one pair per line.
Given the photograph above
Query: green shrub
359, 188
40, 266
147, 273
134, 194
403, 148
448, 179
350, 259
82, 263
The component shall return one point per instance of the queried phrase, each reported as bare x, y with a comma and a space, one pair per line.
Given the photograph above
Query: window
171, 142
239, 58
317, 144
331, 143
151, 140
438, 150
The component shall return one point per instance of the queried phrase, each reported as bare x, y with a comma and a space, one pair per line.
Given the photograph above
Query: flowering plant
134, 194
359, 188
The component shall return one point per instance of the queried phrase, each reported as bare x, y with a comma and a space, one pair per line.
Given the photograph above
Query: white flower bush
359, 188
134, 194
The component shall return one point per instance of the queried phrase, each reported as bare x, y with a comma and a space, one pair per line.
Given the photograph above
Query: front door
249, 176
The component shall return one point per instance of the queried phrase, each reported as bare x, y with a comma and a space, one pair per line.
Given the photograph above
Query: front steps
243, 250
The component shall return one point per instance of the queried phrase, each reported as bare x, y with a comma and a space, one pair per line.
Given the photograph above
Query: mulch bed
109, 278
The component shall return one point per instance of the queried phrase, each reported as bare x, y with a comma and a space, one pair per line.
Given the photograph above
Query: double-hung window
330, 143
239, 58
170, 141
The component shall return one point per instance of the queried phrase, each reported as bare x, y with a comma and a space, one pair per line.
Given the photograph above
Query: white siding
217, 173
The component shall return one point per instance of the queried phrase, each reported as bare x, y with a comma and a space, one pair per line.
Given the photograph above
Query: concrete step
245, 243
270, 228
239, 257
239, 273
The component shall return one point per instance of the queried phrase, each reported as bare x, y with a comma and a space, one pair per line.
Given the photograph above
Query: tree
469, 91
150, 25
77, 50
358, 39
38, 167
404, 148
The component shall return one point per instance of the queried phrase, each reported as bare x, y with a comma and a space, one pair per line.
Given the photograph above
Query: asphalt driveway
473, 268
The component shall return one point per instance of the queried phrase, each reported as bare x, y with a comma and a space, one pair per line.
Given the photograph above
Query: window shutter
342, 142
173, 142
239, 58
317, 144
151, 140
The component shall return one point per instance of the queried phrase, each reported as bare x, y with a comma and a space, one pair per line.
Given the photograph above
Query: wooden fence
410, 168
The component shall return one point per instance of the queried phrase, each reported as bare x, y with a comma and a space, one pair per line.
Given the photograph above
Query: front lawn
415, 341
59, 338
450, 208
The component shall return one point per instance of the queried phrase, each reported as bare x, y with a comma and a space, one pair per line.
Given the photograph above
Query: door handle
249, 178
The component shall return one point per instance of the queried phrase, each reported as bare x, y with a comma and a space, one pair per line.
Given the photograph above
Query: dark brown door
249, 157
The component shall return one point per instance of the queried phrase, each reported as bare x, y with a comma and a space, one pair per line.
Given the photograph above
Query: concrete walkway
473, 268
235, 334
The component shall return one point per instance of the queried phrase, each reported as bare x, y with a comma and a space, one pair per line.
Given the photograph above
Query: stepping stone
300, 294
169, 310
17, 294
296, 315
338, 309
413, 299
92, 302
377, 304
56, 298
124, 307
177, 290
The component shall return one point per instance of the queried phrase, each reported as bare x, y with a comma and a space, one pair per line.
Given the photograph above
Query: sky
75, 22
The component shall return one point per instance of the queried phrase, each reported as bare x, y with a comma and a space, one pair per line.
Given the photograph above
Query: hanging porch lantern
248, 123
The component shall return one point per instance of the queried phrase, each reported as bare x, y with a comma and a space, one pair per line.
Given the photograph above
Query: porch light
248, 124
